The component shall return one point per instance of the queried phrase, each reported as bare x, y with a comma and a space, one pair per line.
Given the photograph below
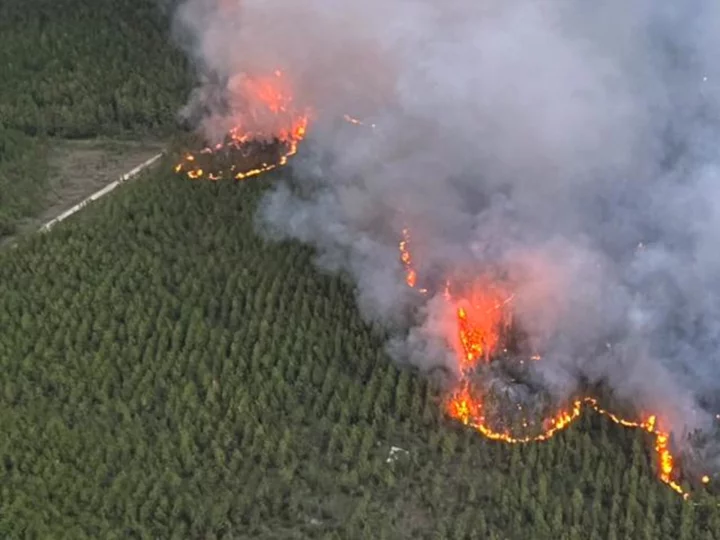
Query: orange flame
481, 316
269, 103
468, 410
406, 258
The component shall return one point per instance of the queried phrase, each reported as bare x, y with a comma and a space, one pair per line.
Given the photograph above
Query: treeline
167, 373
72, 68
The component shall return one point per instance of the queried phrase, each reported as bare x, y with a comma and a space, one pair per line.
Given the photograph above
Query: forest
79, 69
76, 69
23, 175
166, 372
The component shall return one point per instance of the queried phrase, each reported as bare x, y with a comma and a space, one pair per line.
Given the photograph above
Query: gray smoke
572, 144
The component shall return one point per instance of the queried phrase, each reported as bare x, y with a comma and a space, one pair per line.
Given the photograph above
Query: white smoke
574, 144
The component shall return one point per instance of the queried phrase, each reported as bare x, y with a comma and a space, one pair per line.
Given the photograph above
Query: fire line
479, 316
271, 95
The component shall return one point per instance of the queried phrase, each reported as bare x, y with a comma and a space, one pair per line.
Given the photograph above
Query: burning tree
493, 394
265, 132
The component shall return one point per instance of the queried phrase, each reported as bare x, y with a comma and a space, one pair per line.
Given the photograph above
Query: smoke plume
571, 144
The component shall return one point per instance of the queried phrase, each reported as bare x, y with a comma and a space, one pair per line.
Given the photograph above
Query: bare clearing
79, 168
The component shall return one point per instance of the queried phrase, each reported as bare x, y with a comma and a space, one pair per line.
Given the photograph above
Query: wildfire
469, 410
406, 258
481, 310
481, 319
270, 116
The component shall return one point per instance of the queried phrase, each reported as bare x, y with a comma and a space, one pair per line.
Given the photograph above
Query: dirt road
80, 168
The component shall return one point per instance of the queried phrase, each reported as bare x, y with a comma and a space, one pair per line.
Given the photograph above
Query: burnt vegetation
165, 372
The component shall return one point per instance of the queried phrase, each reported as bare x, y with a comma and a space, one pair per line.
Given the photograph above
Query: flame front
269, 115
481, 316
